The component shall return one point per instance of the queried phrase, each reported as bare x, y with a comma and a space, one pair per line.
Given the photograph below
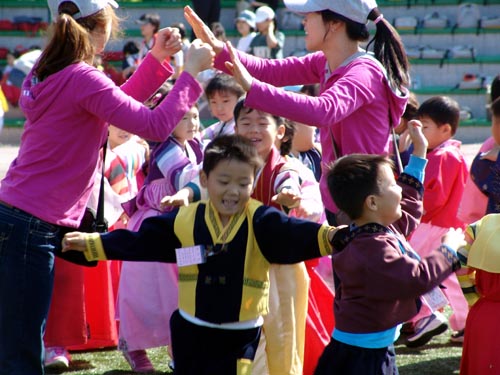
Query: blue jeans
26, 279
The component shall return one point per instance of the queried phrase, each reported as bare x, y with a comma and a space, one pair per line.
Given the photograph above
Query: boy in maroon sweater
378, 277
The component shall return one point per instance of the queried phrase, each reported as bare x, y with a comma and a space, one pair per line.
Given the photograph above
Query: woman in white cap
68, 104
362, 94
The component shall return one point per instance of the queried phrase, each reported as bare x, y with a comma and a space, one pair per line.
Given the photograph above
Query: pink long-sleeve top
67, 117
354, 105
445, 177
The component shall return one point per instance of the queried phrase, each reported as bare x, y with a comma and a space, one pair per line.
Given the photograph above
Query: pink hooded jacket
67, 117
355, 107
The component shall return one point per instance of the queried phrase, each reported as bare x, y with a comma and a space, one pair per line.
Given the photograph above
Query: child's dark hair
352, 178
411, 110
223, 82
240, 107
286, 142
219, 31
181, 27
152, 18
495, 88
387, 45
442, 110
130, 48
230, 147
311, 90
495, 108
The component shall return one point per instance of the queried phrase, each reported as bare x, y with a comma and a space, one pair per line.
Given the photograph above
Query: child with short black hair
223, 249
446, 174
297, 145
289, 186
378, 278
130, 60
286, 184
222, 93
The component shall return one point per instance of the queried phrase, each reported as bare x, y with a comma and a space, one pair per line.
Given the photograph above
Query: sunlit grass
438, 357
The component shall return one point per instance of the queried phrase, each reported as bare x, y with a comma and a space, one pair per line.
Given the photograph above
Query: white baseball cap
86, 7
355, 10
264, 13
248, 17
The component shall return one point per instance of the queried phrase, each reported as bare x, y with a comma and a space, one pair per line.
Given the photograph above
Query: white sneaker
426, 328
56, 358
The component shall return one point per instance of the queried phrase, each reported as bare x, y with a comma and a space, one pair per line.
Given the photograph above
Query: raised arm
100, 96
143, 82
412, 181
154, 242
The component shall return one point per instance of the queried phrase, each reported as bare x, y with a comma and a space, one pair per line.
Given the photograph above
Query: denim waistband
6, 204
17, 212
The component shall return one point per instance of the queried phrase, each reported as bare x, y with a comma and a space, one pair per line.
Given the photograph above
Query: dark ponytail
389, 50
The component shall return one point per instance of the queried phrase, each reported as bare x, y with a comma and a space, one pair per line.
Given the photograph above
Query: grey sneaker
426, 328
56, 358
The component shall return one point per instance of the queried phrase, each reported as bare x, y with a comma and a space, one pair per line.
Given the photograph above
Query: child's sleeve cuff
94, 249
416, 167
325, 247
451, 256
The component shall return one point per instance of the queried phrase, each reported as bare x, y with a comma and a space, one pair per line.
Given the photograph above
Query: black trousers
343, 359
199, 350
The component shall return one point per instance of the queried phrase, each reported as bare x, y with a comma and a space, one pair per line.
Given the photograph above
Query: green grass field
438, 357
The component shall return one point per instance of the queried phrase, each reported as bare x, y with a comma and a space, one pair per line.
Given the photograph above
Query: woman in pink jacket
362, 94
68, 104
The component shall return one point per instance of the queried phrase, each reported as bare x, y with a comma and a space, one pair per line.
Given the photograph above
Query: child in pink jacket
446, 173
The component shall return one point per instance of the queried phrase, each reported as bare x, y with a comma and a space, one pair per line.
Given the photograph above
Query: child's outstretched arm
293, 240
287, 198
192, 192
180, 199
74, 241
155, 241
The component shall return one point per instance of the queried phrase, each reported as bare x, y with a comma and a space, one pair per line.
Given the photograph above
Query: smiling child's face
229, 186
260, 128
389, 197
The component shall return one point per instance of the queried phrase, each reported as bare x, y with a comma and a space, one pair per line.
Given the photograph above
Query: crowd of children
225, 244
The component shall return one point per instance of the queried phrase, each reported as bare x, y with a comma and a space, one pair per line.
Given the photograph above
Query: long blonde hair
70, 40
